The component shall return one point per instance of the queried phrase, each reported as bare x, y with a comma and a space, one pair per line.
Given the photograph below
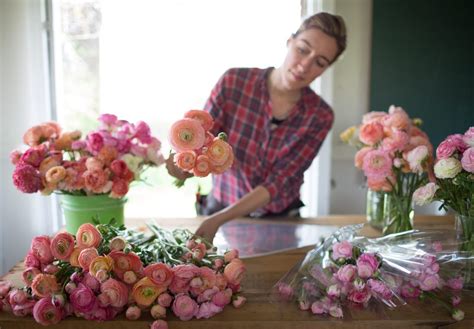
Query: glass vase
464, 226
374, 210
398, 213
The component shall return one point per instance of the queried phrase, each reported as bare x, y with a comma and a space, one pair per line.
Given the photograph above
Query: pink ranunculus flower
372, 116
27, 179
159, 324
207, 278
133, 313
234, 271
187, 134
124, 262
239, 301
456, 283
62, 245
90, 281
207, 310
359, 296
96, 181
40, 248
108, 119
425, 194
467, 160
86, 256
458, 141
360, 155
377, 163
445, 149
31, 260
203, 117
342, 250
371, 133
397, 141
45, 313
346, 273
83, 299
468, 137
28, 275
88, 236
367, 265
165, 299
380, 288
34, 156
397, 118
222, 298
318, 308
159, 273
116, 291
142, 132
23, 309
429, 282
184, 307
95, 142
416, 158
447, 168
182, 276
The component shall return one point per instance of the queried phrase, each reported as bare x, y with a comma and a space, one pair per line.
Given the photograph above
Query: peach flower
28, 275
397, 118
55, 174
234, 271
203, 117
101, 263
88, 236
124, 262
86, 257
359, 156
144, 292
74, 257
159, 273
185, 160
218, 151
371, 133
116, 291
44, 285
203, 166
65, 140
187, 134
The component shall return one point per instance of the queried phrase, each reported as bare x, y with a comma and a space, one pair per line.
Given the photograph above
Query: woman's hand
208, 228
174, 171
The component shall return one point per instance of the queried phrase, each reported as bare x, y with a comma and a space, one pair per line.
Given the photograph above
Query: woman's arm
250, 202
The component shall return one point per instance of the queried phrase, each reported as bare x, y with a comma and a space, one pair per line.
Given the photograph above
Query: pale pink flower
318, 308
429, 282
83, 299
346, 273
96, 181
342, 250
468, 137
157, 311
377, 163
455, 300
239, 301
445, 149
23, 309
207, 310
455, 283
380, 288
372, 116
31, 260
116, 291
40, 248
333, 291
447, 168
397, 118
159, 324
165, 299
45, 313
187, 134
129, 277
371, 133
86, 256
458, 141
218, 263
118, 243
359, 296
142, 132
28, 275
335, 311
207, 294
88, 236
467, 160
285, 291
360, 155
17, 297
416, 158
15, 156
133, 313
425, 194
183, 274
304, 305
397, 141
367, 265
222, 298
108, 119
184, 307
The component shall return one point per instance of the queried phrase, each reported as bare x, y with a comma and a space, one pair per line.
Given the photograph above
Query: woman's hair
332, 25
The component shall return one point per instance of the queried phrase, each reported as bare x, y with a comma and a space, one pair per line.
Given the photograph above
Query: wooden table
263, 272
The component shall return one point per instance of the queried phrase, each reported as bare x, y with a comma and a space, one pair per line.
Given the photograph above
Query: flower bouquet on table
395, 156
199, 152
103, 271
454, 186
104, 163
349, 270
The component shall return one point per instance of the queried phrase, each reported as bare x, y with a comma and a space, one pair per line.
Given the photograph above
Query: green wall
423, 60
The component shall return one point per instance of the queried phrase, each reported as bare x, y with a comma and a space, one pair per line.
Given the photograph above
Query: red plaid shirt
274, 158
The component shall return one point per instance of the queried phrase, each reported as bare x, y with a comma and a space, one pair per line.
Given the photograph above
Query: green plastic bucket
80, 209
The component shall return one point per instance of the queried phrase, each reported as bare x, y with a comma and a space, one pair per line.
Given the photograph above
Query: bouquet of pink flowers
105, 162
348, 270
198, 151
104, 271
454, 172
395, 156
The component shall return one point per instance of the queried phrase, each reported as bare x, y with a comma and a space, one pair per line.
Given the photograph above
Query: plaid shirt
274, 158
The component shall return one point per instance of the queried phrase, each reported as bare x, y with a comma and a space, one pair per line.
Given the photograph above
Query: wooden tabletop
260, 312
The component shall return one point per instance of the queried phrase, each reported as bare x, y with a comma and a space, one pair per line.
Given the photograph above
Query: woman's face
310, 53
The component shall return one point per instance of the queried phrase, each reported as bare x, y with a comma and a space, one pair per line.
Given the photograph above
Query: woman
276, 125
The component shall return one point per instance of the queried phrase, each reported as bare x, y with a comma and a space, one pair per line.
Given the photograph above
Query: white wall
23, 103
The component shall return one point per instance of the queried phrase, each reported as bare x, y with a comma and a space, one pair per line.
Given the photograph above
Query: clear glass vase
374, 210
398, 213
465, 232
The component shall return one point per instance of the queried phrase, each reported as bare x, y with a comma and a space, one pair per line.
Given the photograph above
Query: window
153, 60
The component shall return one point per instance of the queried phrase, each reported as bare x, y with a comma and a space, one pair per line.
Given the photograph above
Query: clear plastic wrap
348, 268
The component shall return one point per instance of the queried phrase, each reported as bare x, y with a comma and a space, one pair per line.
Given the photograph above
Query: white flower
133, 163
458, 315
447, 168
424, 194
416, 157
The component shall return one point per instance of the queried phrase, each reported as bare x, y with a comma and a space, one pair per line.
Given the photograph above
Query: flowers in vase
104, 271
106, 161
454, 175
395, 156
199, 152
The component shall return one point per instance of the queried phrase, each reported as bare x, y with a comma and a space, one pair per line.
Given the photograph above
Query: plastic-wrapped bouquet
104, 270
347, 269
106, 161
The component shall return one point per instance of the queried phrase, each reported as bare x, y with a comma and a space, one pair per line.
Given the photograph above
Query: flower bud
158, 311
133, 313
